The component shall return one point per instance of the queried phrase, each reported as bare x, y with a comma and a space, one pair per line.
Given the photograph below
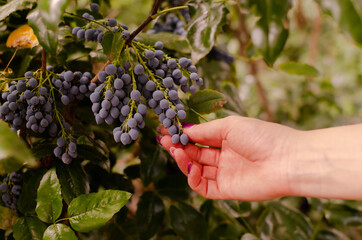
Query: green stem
168, 10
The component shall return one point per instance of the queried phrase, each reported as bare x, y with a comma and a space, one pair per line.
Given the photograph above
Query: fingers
166, 142
203, 155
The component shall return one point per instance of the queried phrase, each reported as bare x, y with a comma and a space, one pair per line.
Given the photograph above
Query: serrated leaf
13, 6
7, 217
150, 214
51, 11
48, 39
201, 30
59, 232
73, 180
297, 68
29, 228
206, 101
22, 37
27, 199
93, 210
49, 199
171, 41
14, 154
271, 31
187, 222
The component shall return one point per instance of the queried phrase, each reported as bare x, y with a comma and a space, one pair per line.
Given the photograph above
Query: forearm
327, 163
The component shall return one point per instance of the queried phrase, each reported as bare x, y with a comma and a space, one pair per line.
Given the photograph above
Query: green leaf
92, 154
27, 199
233, 101
13, 6
170, 41
93, 210
342, 215
153, 159
188, 222
117, 44
29, 228
173, 187
48, 39
59, 232
52, 11
150, 214
265, 224
297, 68
7, 217
271, 31
107, 42
73, 180
348, 13
208, 17
13, 152
206, 101
49, 199
294, 223
42, 150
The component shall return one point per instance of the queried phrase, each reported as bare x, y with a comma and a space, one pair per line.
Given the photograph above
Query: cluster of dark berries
117, 100
28, 101
74, 86
152, 80
66, 150
10, 189
94, 30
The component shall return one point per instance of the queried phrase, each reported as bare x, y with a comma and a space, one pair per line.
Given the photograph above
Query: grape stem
43, 61
149, 19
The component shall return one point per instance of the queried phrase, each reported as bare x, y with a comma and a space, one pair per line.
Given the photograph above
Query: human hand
249, 160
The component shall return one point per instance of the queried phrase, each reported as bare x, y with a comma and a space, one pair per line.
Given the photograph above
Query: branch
150, 17
95, 79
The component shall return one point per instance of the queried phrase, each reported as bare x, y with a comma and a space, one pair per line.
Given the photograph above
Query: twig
16, 50
145, 22
43, 61
95, 79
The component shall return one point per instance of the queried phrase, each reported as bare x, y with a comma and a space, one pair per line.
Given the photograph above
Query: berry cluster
94, 30
172, 24
10, 189
74, 86
66, 150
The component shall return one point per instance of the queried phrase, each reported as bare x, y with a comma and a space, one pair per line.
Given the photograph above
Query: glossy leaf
93, 210
150, 214
170, 41
73, 180
153, 159
297, 68
295, 224
92, 154
27, 199
187, 222
13, 152
271, 31
52, 11
206, 101
13, 6
7, 217
207, 19
48, 39
42, 150
59, 232
29, 228
49, 199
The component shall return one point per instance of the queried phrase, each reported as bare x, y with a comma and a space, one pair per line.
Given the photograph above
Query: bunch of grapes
66, 148
10, 189
73, 86
172, 24
94, 30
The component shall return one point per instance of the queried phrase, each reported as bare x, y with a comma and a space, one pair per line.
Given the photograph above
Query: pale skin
253, 160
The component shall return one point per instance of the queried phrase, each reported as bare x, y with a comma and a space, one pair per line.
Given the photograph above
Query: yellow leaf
22, 37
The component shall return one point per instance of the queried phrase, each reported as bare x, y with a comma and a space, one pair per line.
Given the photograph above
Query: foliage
293, 62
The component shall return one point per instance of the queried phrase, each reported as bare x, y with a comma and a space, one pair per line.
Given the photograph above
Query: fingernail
189, 167
158, 139
186, 125
158, 129
172, 151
